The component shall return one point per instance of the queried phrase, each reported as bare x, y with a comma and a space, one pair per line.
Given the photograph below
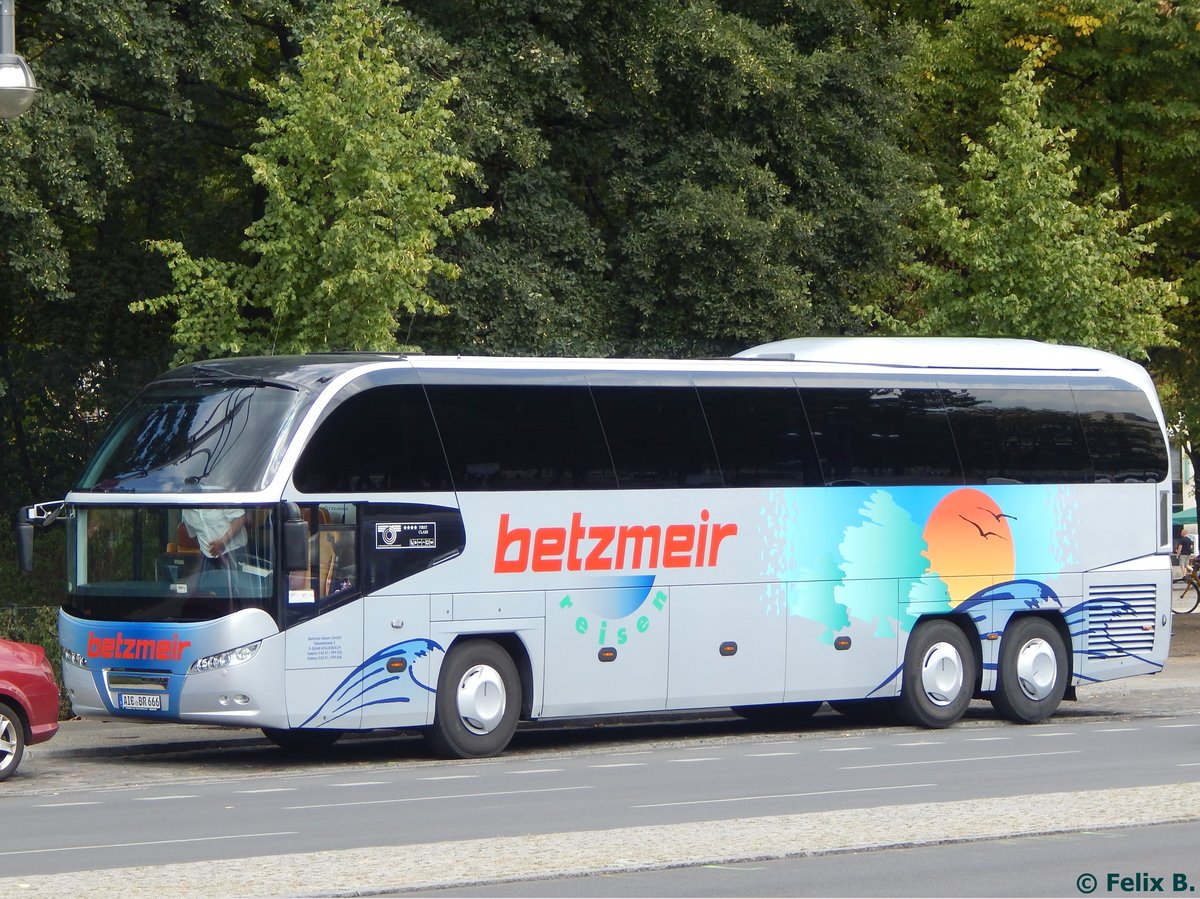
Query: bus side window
522, 437
761, 436
882, 435
331, 576
378, 441
1122, 435
1019, 435
658, 436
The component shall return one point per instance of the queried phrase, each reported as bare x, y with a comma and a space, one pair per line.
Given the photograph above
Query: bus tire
1032, 674
939, 675
12, 741
478, 702
302, 740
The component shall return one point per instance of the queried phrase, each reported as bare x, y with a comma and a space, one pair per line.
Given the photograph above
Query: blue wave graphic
372, 684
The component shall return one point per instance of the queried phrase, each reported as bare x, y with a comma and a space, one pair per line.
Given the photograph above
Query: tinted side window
761, 436
882, 436
1122, 435
378, 441
658, 437
1023, 435
522, 437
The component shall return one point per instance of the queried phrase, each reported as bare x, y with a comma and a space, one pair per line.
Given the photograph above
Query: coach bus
331, 543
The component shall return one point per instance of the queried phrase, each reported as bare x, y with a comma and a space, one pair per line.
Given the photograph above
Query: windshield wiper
222, 378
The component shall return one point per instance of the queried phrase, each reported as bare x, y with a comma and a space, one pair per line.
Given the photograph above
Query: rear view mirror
25, 546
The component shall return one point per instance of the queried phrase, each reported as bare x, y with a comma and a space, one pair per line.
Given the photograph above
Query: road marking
620, 765
922, 743
363, 783
161, 798
269, 790
451, 777
292, 808
766, 755
704, 759
527, 856
783, 796
977, 758
847, 749
538, 771
65, 804
1179, 725
986, 739
1057, 733
1116, 730
227, 836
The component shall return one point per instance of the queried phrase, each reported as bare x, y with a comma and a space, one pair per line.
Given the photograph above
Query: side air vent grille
1120, 620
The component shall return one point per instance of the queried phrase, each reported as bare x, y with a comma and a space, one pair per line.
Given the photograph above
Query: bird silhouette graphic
982, 532
995, 515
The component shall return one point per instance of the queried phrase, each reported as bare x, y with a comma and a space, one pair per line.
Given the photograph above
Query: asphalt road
149, 809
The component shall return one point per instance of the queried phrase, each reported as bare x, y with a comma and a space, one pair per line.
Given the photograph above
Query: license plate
154, 702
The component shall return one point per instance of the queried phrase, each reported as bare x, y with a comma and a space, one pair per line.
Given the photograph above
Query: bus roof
807, 354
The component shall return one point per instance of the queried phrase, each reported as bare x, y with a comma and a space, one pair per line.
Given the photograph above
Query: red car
28, 702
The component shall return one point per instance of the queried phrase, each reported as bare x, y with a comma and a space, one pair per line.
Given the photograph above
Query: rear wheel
12, 741
1032, 676
302, 741
478, 701
939, 675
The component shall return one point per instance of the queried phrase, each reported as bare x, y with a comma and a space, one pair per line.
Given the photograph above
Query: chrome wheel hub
942, 674
481, 699
1037, 669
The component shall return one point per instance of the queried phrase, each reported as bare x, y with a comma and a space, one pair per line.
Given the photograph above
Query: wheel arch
517, 650
1055, 618
964, 623
14, 702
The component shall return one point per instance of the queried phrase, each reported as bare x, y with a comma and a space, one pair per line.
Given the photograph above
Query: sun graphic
970, 543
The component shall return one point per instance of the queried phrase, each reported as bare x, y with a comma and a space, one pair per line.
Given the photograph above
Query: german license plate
153, 702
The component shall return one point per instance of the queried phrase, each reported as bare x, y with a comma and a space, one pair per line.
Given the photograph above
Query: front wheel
12, 741
1032, 676
478, 702
939, 675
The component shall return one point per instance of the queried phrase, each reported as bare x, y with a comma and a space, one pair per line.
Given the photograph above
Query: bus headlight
71, 657
225, 659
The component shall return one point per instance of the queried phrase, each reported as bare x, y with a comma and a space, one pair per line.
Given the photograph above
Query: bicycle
1181, 603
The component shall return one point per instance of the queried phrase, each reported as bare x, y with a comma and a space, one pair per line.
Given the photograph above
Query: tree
669, 177
358, 170
1124, 80
129, 132
1010, 251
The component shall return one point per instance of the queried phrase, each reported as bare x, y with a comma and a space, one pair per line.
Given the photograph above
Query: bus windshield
213, 437
169, 563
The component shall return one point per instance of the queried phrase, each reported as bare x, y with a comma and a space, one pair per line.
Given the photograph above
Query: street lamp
17, 87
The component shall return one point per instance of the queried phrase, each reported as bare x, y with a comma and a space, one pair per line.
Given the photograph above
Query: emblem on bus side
406, 535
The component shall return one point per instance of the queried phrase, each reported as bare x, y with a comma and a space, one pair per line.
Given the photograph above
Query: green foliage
357, 169
1010, 251
1123, 80
668, 177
